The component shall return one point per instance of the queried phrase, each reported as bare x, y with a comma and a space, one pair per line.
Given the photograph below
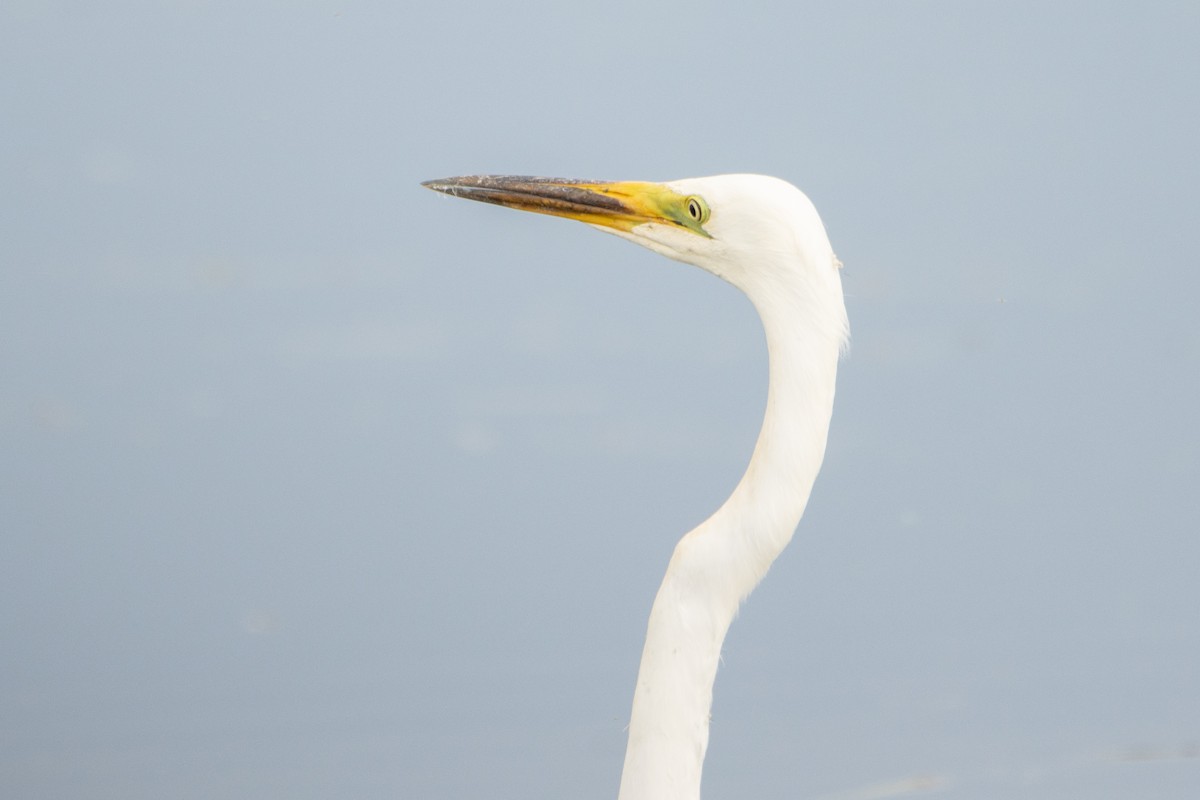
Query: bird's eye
697, 209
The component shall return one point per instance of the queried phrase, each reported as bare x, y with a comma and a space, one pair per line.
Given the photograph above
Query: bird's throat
715, 566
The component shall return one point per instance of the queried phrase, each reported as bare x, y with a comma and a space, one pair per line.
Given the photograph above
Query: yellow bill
623, 205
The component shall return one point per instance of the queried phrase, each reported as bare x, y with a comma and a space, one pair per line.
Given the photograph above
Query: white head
761, 234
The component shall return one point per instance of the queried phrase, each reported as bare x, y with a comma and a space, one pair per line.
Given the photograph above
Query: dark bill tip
559, 196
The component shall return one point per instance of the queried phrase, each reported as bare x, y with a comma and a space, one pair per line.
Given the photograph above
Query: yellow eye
697, 209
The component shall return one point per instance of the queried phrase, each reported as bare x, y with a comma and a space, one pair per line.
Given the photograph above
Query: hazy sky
316, 484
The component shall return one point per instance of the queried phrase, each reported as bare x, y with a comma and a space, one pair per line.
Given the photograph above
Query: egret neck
715, 566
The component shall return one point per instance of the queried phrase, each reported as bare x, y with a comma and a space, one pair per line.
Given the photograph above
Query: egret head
759, 233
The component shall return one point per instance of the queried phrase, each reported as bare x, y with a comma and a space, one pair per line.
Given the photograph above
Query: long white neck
715, 566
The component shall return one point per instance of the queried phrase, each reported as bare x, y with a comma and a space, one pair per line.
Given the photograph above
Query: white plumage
762, 235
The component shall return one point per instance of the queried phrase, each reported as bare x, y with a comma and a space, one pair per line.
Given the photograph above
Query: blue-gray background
315, 484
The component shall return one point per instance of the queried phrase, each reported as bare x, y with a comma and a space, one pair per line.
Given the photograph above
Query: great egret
764, 236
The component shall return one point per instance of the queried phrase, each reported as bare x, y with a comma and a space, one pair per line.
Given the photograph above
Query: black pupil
694, 209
